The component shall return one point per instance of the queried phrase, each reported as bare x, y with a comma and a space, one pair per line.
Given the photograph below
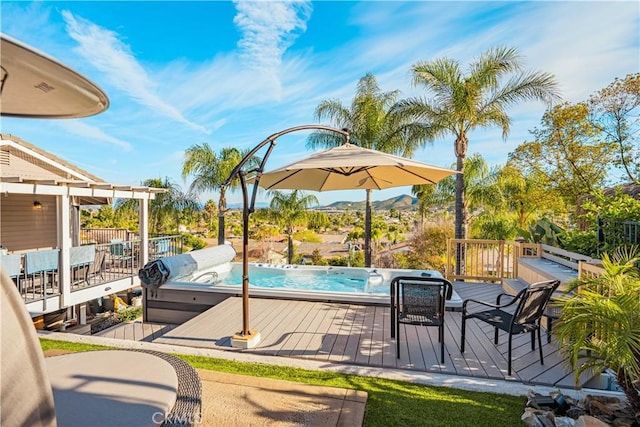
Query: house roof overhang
27, 169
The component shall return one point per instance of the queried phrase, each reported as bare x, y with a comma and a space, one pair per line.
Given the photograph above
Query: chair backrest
117, 247
422, 296
98, 263
533, 300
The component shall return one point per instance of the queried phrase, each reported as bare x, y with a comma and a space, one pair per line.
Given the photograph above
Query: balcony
94, 270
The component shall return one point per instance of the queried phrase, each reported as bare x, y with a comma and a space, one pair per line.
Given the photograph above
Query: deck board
359, 334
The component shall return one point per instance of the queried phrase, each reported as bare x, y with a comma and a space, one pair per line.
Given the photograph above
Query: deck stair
533, 270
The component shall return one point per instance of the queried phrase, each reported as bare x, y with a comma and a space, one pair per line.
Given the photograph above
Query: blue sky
233, 73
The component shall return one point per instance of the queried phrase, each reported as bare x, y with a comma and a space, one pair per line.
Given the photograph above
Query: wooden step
513, 286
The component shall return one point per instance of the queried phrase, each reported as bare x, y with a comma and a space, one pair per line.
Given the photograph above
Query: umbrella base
249, 340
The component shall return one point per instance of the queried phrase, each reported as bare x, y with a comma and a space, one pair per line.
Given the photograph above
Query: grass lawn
390, 403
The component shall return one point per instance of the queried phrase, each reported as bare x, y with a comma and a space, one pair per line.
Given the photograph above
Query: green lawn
390, 403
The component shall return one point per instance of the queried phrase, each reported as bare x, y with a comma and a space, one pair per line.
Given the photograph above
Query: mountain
401, 203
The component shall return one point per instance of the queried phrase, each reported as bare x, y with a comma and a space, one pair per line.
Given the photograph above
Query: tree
318, 221
463, 102
165, 210
210, 211
371, 124
526, 196
210, 171
478, 185
428, 247
290, 209
167, 207
426, 199
615, 110
567, 155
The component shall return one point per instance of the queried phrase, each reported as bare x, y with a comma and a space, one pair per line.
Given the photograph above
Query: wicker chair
419, 301
529, 304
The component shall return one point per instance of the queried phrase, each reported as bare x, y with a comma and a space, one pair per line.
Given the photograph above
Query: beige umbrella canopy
34, 85
349, 167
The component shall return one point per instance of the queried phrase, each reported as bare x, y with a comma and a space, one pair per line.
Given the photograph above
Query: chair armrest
506, 295
488, 304
477, 301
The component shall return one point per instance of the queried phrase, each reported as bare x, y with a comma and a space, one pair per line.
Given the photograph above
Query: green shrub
194, 242
129, 314
308, 236
582, 242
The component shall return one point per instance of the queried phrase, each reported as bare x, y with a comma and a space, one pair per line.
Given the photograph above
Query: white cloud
269, 28
107, 53
92, 133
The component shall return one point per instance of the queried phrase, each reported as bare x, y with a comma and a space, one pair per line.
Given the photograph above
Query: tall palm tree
463, 102
290, 209
168, 206
372, 125
426, 195
165, 208
210, 170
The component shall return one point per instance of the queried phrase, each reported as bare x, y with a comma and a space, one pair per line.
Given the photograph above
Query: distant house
41, 197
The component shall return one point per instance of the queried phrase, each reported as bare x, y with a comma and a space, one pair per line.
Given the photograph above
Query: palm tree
372, 125
210, 211
463, 102
165, 208
426, 195
168, 206
210, 170
290, 209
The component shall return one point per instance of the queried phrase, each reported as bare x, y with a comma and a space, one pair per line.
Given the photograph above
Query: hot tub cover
158, 272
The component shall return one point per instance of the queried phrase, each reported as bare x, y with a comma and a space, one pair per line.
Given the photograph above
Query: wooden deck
135, 331
360, 335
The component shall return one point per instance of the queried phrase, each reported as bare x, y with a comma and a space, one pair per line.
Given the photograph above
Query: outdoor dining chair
120, 252
419, 301
162, 248
96, 267
520, 315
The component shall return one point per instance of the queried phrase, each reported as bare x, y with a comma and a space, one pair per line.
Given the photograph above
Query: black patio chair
529, 303
419, 301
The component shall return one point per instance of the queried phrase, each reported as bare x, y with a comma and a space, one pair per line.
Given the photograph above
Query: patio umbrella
34, 85
349, 167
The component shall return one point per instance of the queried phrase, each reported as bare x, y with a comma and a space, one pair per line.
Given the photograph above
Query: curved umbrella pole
247, 337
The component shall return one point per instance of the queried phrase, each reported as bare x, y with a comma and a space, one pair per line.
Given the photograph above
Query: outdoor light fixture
37, 206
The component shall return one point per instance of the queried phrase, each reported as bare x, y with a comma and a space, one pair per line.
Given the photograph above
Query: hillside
401, 203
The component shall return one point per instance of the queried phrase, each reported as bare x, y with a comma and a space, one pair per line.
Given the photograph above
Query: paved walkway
236, 400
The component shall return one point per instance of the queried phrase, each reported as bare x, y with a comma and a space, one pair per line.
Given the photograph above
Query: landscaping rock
589, 421
557, 410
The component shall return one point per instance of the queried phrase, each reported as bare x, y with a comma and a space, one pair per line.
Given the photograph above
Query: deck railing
590, 269
108, 262
483, 260
494, 260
